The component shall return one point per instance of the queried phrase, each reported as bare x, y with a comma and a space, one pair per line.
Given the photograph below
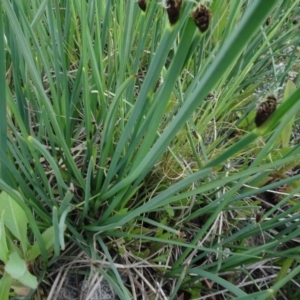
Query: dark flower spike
142, 4
265, 109
201, 15
173, 9
259, 215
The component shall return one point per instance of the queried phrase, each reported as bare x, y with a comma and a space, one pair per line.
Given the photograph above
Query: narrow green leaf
41, 149
284, 270
179, 282
109, 127
262, 295
287, 132
164, 95
68, 197
87, 195
62, 227
56, 231
3, 108
214, 278
5, 284
124, 291
275, 288
39, 13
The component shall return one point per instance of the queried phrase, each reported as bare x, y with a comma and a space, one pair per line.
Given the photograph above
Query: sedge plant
129, 134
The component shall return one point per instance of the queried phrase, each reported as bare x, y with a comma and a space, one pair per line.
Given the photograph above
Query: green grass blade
3, 109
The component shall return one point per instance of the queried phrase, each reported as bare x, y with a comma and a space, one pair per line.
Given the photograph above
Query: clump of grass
131, 137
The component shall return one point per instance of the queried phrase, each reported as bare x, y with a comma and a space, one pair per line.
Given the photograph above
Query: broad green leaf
5, 284
29, 280
16, 267
3, 243
48, 238
14, 219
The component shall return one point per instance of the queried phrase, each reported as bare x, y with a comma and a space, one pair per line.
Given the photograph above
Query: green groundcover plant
160, 139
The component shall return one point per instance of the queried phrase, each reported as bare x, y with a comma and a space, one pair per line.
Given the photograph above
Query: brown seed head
194, 133
173, 9
265, 109
259, 214
201, 15
142, 4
